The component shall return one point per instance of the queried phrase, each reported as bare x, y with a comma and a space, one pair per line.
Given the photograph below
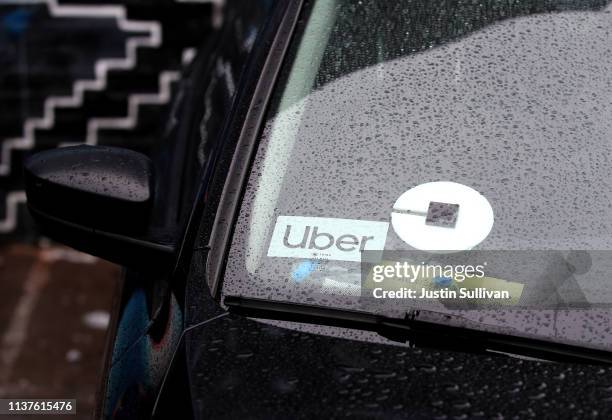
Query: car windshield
421, 127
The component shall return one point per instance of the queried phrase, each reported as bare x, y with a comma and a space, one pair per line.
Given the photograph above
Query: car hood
244, 368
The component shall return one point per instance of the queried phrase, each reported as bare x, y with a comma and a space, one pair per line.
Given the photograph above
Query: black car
362, 209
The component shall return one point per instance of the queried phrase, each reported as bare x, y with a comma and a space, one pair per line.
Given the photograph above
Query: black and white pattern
86, 73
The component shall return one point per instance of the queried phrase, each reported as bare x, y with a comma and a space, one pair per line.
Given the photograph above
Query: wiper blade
417, 332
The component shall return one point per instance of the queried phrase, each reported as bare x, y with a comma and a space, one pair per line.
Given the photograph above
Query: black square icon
442, 214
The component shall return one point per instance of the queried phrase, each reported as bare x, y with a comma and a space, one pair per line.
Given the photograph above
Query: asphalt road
54, 310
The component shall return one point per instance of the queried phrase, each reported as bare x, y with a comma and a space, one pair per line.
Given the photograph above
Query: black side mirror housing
99, 200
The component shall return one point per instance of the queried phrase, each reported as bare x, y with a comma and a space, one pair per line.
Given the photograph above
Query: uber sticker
326, 238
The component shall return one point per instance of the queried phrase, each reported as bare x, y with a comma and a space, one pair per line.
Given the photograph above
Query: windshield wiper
419, 333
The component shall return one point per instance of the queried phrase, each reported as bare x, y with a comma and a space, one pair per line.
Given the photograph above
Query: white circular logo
442, 216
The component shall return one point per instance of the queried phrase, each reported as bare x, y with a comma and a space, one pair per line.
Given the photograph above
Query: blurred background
73, 72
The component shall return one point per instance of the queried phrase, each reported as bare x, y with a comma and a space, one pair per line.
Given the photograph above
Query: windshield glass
419, 127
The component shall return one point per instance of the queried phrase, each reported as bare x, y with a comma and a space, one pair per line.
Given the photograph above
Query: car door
149, 313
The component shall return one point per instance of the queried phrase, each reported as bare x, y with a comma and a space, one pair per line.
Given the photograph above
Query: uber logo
326, 238
457, 217
345, 242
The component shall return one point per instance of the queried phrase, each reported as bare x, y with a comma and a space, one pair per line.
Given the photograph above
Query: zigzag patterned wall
121, 61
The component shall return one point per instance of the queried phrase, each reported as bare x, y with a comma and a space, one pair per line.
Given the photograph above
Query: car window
430, 126
204, 102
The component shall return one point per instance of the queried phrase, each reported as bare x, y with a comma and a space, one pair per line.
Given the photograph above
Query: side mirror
98, 200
